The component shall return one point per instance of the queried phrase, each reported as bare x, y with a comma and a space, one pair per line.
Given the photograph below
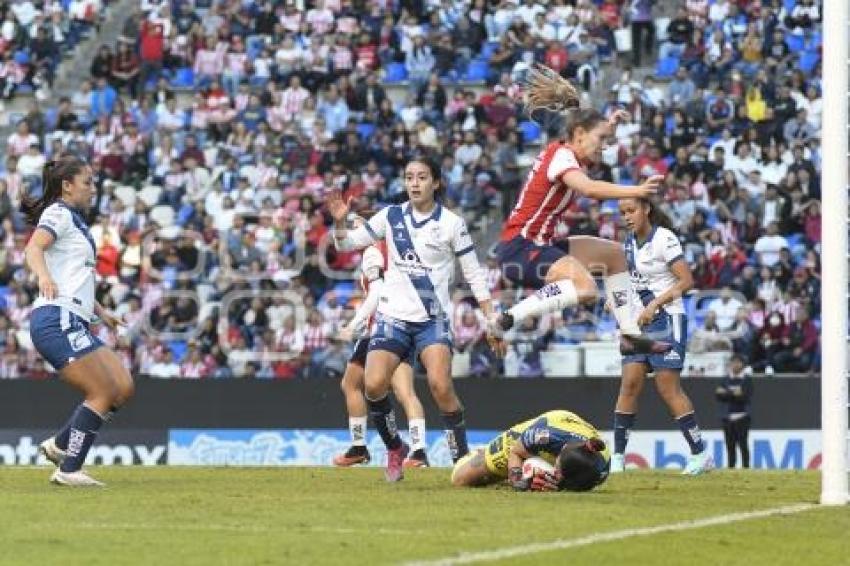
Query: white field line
561, 544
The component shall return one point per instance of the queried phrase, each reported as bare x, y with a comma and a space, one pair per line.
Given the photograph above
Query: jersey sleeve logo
541, 436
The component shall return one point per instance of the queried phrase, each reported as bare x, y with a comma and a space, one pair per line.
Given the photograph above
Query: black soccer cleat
417, 459
506, 321
353, 456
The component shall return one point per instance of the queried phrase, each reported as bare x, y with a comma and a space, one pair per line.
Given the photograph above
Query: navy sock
383, 419
456, 434
82, 432
61, 437
690, 430
108, 416
623, 423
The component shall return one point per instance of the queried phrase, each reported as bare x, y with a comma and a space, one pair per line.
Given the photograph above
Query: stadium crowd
216, 128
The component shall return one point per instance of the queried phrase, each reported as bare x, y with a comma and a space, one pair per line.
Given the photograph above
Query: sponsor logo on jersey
410, 264
541, 436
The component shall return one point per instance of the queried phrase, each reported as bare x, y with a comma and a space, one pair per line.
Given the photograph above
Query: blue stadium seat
184, 78
365, 130
178, 349
478, 71
795, 42
488, 49
530, 131
808, 61
396, 72
666, 67
343, 291
22, 57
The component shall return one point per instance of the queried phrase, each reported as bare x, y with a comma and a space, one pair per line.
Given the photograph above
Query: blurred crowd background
216, 128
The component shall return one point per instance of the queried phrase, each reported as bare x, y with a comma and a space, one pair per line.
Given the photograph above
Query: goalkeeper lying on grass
574, 447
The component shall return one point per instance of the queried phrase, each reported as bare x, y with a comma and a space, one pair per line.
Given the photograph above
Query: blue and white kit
649, 265
415, 302
60, 327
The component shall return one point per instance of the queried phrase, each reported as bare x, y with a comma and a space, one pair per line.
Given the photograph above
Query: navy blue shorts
525, 263
358, 356
406, 339
670, 328
61, 336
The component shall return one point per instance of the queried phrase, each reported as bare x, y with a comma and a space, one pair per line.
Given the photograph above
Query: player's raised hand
619, 116
650, 187
47, 287
111, 320
337, 206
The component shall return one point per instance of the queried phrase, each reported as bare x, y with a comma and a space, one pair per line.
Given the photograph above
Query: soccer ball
535, 464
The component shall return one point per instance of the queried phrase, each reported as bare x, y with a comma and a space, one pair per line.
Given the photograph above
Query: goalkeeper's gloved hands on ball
544, 481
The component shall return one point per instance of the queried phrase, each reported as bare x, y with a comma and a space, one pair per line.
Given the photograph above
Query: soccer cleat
74, 479
353, 456
395, 463
49, 450
642, 345
417, 459
699, 464
618, 464
500, 323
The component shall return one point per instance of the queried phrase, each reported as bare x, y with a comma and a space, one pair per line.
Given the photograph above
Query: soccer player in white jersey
423, 240
373, 265
61, 253
661, 276
560, 271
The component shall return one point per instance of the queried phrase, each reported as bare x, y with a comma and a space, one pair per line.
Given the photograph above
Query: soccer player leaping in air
561, 272
423, 240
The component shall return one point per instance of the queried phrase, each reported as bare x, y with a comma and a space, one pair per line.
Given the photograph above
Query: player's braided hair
55, 172
546, 90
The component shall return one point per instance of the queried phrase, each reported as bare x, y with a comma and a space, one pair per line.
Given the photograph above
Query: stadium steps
72, 70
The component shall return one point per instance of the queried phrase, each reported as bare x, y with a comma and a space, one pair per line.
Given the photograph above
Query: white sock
357, 428
553, 297
623, 300
417, 434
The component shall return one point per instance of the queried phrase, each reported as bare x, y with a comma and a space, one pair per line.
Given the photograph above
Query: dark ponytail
657, 217
54, 173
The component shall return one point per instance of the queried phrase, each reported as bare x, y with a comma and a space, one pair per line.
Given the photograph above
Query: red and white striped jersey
374, 260
544, 197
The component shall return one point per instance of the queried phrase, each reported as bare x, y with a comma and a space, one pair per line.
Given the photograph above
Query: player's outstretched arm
578, 181
367, 308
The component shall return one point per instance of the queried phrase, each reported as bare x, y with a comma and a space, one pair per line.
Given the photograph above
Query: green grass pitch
207, 516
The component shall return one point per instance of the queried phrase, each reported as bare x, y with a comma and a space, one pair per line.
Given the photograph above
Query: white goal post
835, 257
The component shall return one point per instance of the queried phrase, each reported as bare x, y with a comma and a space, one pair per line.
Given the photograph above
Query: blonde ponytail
547, 90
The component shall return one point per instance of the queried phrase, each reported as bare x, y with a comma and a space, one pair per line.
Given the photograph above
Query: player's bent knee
443, 393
